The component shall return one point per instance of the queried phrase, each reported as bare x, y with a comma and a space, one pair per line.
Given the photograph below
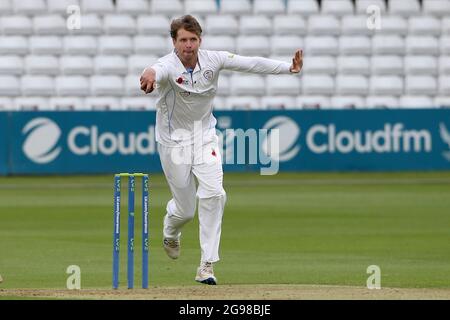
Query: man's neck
189, 64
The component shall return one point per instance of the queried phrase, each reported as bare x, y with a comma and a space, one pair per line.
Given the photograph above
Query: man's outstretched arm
261, 65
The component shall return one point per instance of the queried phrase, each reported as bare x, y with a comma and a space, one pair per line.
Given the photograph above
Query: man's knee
185, 212
218, 192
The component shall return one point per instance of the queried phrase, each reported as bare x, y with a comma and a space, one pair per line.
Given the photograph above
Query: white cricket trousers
180, 165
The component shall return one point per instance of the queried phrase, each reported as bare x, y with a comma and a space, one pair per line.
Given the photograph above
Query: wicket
116, 232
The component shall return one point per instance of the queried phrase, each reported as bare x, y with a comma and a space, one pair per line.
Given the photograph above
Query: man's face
186, 44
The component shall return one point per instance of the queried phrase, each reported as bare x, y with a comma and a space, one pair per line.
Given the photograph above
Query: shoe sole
209, 281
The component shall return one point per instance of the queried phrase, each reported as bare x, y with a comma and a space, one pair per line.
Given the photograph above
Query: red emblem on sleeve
213, 152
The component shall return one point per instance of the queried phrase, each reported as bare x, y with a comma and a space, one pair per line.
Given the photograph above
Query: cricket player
186, 83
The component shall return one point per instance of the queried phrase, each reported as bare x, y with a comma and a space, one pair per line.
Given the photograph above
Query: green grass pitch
291, 228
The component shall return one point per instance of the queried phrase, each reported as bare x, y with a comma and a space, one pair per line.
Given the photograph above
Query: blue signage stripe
270, 141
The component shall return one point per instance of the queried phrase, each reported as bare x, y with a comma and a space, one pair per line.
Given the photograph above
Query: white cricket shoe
205, 274
172, 247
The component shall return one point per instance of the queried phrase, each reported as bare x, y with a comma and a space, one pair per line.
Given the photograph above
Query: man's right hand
148, 79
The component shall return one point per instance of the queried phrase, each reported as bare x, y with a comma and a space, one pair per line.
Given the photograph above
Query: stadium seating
6, 104
222, 25
138, 103
97, 6
357, 65
352, 85
226, 43
80, 45
29, 7
304, 8
312, 102
438, 8
355, 45
72, 86
337, 8
167, 7
318, 85
381, 102
67, 103
11, 65
247, 85
45, 65
122, 45
224, 85
61, 6
255, 25
200, 7
363, 6
283, 85
236, 7
253, 45
442, 102
320, 65
9, 86
404, 7
347, 102
268, 7
42, 65
242, 103
31, 103
132, 7
387, 65
416, 102
37, 86
289, 25
355, 25
386, 85
321, 45
103, 103
49, 25
278, 102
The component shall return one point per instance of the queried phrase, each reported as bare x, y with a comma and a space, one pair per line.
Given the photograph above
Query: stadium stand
46, 65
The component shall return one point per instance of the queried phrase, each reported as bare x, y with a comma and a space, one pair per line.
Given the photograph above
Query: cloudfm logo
289, 133
41, 139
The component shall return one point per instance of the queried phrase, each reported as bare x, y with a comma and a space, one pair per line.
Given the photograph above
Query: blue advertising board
358, 140
266, 141
83, 142
3, 143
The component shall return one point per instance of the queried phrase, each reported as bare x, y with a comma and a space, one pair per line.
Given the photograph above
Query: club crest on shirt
208, 74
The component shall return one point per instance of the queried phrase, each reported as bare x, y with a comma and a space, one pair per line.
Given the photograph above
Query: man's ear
200, 42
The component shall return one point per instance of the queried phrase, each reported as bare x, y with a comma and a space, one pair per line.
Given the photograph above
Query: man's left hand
297, 62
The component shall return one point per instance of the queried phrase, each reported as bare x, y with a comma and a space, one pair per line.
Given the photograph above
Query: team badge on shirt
208, 74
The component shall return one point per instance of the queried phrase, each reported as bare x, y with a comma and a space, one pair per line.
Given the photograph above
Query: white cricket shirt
186, 98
